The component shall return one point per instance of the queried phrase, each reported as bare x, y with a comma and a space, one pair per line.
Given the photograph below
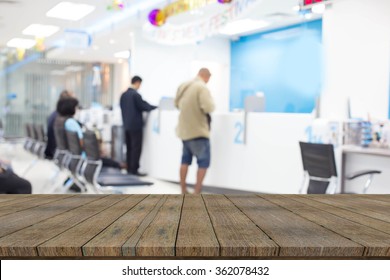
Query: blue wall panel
286, 64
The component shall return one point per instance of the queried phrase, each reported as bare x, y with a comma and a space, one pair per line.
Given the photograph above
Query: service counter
267, 161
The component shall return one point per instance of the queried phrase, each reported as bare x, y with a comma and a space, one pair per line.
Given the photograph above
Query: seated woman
10, 183
67, 109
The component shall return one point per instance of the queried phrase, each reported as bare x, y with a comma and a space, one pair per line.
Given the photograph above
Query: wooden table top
195, 226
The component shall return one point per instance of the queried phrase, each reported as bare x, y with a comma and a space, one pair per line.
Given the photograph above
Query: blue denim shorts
200, 148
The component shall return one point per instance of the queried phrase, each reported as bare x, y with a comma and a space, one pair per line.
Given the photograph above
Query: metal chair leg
304, 183
368, 183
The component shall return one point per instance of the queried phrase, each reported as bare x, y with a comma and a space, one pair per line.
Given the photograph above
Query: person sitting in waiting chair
10, 183
67, 109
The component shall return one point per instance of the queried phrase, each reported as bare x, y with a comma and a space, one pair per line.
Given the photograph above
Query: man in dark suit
132, 106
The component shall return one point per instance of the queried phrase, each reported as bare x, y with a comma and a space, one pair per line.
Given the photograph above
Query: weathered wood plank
377, 197
129, 247
371, 208
343, 213
109, 242
196, 237
27, 202
159, 238
21, 244
237, 235
296, 236
19, 220
376, 243
8, 197
70, 242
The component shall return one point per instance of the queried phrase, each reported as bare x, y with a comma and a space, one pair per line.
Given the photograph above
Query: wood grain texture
346, 214
237, 235
380, 197
194, 226
372, 208
159, 238
295, 235
129, 247
19, 220
196, 237
20, 243
26, 202
69, 243
109, 242
8, 197
376, 243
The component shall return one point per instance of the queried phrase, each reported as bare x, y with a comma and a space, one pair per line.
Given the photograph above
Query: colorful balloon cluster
116, 5
158, 17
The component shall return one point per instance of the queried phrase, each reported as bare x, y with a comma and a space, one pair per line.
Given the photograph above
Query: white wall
356, 38
164, 68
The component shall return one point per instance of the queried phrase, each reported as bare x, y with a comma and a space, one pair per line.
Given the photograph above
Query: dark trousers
107, 162
10, 183
134, 148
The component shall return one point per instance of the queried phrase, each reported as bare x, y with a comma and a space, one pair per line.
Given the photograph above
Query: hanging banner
158, 17
190, 33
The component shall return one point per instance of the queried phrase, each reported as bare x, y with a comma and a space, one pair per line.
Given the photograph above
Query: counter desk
267, 160
355, 158
195, 226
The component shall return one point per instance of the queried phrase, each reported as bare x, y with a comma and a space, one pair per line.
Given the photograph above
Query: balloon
157, 17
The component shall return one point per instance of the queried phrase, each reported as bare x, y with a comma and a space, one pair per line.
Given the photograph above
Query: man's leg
199, 179
183, 176
203, 157
136, 148
128, 150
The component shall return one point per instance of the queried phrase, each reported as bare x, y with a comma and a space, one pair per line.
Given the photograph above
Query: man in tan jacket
194, 101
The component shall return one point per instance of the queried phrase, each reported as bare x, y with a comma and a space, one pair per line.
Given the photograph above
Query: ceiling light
120, 61
112, 41
308, 16
40, 30
95, 47
318, 9
70, 11
296, 8
21, 43
242, 26
122, 54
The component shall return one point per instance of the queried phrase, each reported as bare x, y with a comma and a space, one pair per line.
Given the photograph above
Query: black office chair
61, 155
320, 168
104, 179
76, 159
40, 140
32, 147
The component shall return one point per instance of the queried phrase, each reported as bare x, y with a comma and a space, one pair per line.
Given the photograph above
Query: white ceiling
16, 15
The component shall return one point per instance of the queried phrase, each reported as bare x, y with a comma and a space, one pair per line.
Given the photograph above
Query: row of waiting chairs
84, 167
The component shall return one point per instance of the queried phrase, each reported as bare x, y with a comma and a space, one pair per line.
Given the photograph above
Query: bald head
204, 74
